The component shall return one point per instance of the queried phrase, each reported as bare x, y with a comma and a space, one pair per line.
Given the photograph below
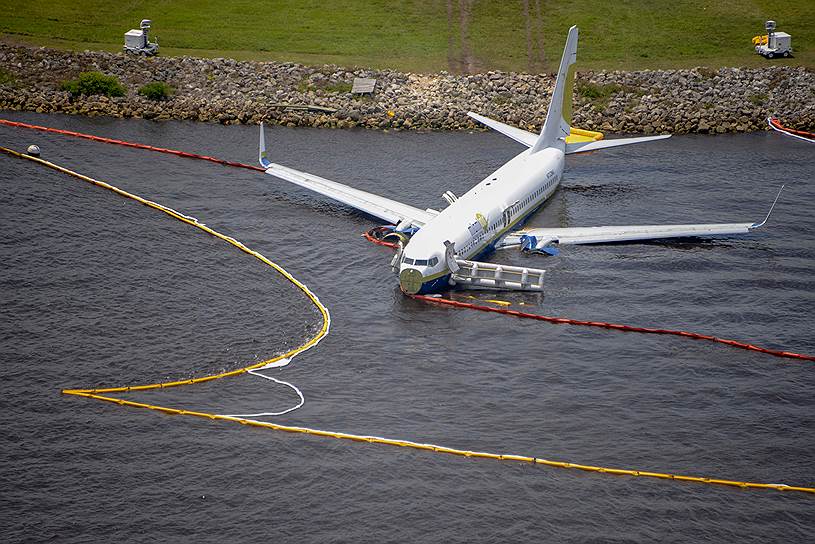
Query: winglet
757, 225
264, 161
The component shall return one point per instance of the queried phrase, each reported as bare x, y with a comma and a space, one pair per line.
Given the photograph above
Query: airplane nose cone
411, 280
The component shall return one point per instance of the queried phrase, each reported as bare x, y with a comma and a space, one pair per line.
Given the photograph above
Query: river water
98, 290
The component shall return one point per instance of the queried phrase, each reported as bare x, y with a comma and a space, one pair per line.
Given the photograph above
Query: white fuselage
483, 215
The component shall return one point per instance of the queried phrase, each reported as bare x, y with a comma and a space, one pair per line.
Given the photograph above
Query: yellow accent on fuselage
500, 233
519, 219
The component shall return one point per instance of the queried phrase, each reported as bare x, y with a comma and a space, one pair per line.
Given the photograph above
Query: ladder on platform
481, 275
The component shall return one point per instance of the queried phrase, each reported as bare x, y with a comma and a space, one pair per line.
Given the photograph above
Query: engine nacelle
531, 244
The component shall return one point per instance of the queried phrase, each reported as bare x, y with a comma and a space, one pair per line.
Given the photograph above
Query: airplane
436, 249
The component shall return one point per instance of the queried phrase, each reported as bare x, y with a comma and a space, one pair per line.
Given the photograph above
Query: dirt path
535, 60
460, 59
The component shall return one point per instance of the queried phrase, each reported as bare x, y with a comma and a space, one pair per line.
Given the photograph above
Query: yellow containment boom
579, 136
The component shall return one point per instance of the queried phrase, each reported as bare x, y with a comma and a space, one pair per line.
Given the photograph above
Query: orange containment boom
775, 124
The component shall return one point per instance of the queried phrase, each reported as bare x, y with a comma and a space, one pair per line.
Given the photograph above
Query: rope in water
629, 328
283, 359
369, 237
277, 361
452, 451
101, 139
613, 326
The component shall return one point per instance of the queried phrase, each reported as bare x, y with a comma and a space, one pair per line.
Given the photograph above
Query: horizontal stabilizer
517, 134
528, 138
603, 144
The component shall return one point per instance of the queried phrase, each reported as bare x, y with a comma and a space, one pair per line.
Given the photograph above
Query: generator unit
136, 41
773, 44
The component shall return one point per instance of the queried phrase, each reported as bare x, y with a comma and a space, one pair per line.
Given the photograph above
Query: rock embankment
228, 91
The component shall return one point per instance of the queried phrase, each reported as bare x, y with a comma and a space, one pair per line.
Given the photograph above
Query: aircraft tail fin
559, 118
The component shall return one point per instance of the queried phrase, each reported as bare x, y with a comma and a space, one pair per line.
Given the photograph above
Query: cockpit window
421, 262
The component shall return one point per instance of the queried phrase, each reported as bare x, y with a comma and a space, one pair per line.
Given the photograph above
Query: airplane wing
383, 208
599, 235
538, 238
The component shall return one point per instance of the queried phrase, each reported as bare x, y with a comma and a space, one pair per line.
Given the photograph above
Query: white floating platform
480, 275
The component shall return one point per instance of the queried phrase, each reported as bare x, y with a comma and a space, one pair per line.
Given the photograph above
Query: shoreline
697, 100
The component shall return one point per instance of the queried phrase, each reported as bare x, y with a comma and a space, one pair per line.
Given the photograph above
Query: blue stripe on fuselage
436, 285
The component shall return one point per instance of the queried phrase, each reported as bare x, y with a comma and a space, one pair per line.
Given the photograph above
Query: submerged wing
538, 238
599, 235
378, 206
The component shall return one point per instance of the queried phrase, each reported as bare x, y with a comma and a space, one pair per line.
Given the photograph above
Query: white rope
277, 364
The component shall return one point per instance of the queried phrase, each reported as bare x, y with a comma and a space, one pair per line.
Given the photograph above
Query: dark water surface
98, 290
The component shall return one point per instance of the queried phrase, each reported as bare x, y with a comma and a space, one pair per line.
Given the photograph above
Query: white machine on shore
136, 41
438, 249
773, 44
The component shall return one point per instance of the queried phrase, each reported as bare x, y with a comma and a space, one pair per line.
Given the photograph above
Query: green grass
758, 99
592, 91
7, 78
600, 95
333, 87
157, 90
90, 83
416, 35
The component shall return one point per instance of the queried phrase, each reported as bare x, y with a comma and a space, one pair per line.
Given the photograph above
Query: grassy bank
429, 35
